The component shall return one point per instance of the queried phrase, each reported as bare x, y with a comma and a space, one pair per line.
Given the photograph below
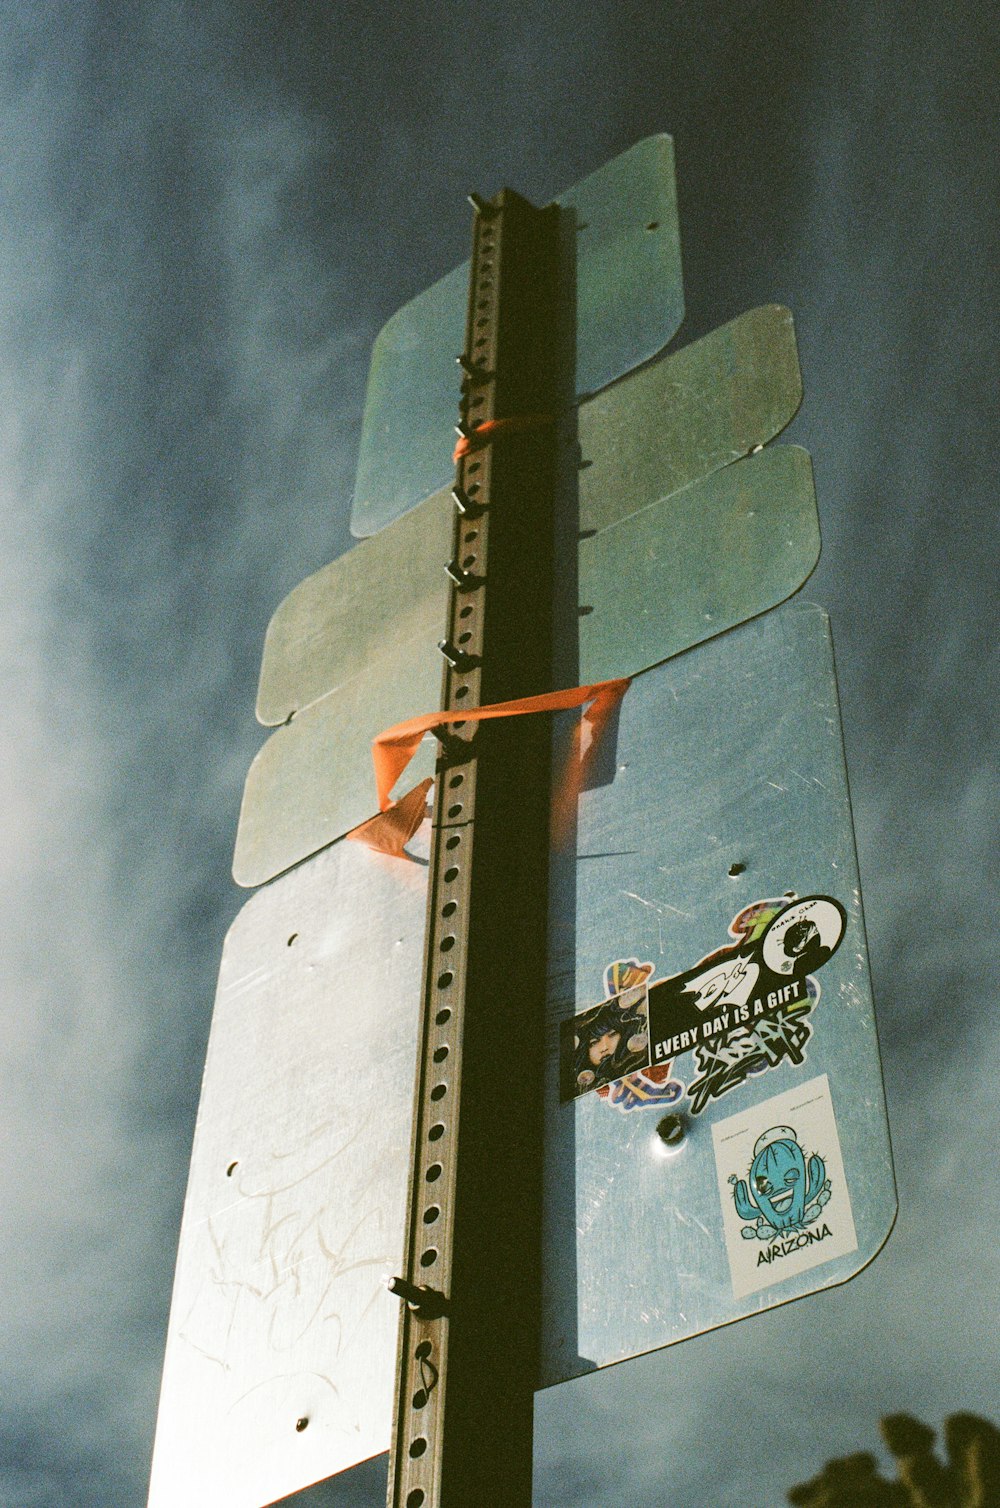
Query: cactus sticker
785, 1202
783, 1192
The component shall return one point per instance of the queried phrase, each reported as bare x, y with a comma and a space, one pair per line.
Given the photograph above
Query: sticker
785, 1203
649, 1088
591, 1057
605, 1043
746, 1049
743, 1009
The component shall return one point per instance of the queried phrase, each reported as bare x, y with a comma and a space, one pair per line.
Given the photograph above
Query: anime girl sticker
606, 1048
604, 1043
785, 1202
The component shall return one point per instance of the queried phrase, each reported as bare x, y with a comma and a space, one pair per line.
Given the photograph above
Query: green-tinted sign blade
364, 615
697, 563
662, 428
687, 415
709, 925
312, 781
629, 303
655, 583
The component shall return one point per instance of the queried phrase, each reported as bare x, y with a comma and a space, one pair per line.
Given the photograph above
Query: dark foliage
970, 1478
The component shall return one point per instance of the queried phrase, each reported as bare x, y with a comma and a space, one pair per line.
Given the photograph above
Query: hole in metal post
735, 869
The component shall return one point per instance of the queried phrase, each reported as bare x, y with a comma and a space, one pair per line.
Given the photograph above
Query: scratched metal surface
688, 414
629, 302
296, 1198
729, 755
352, 649
697, 563
378, 610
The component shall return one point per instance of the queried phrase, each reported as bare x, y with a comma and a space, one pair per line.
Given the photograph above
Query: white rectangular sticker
785, 1204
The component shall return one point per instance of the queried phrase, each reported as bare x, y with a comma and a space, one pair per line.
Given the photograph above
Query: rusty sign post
468, 1337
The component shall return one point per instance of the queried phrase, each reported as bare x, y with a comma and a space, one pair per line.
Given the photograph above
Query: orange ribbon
393, 749
491, 429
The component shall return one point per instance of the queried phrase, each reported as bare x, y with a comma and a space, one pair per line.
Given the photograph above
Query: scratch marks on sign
809, 780
292, 1265
659, 909
284, 1377
689, 1220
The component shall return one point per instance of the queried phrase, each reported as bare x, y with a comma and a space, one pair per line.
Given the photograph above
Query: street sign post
648, 1097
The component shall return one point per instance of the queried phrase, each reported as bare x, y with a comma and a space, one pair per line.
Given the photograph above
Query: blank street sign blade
376, 605
297, 1194
698, 563
665, 1213
629, 302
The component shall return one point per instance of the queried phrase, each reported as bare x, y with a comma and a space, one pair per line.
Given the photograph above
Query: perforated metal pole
462, 1431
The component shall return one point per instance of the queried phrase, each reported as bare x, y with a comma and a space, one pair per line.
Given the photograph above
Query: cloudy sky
208, 211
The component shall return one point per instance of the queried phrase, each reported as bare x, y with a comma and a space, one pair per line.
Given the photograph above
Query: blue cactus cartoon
785, 1191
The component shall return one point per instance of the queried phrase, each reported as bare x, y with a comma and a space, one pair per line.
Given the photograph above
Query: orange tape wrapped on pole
392, 751
495, 429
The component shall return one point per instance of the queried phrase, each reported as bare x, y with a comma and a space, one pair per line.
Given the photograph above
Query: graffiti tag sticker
785, 1201
744, 1008
740, 1010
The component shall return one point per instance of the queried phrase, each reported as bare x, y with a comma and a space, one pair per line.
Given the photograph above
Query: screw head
672, 1129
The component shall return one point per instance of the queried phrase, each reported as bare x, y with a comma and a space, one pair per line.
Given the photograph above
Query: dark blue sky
209, 210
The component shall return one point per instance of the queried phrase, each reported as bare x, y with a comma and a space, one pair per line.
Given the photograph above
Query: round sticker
804, 935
